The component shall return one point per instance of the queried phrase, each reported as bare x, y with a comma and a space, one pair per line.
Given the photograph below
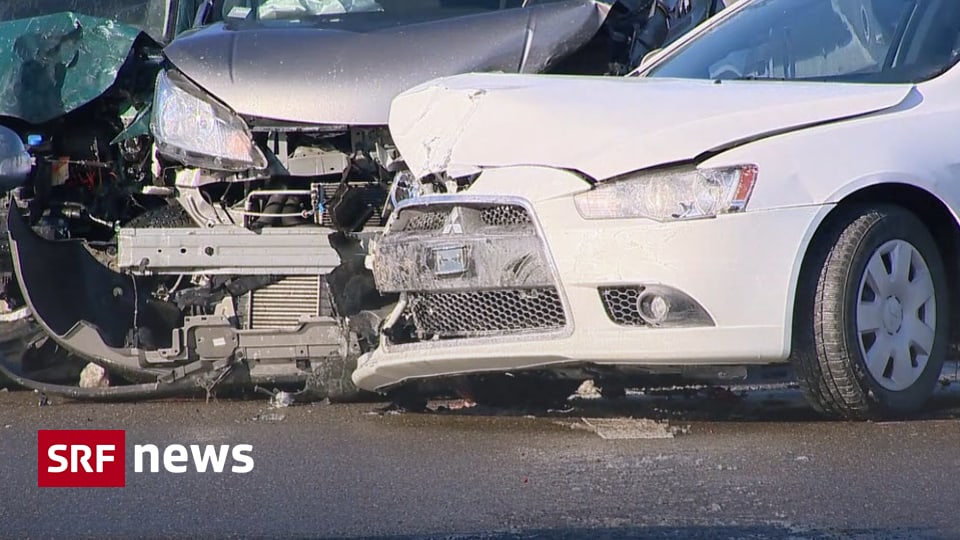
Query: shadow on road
748, 532
775, 402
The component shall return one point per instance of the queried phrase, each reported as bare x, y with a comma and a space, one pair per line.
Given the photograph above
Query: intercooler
284, 303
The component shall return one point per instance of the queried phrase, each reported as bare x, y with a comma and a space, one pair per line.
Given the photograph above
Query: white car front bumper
740, 268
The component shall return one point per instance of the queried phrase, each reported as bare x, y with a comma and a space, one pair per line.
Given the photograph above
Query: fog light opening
654, 308
653, 305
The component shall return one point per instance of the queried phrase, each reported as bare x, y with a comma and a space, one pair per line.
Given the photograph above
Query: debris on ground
385, 411
269, 417
564, 410
631, 428
588, 390
42, 399
950, 373
281, 399
278, 398
402, 406
451, 405
94, 376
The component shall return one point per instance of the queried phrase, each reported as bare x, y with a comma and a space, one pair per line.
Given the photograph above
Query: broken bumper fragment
499, 283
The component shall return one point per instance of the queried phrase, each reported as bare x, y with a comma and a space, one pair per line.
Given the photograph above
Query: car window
832, 40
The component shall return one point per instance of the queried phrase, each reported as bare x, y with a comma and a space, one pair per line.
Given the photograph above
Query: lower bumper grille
481, 313
621, 305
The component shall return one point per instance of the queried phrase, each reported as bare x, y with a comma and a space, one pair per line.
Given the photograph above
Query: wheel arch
935, 214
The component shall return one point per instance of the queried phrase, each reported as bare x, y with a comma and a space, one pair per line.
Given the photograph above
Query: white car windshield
881, 41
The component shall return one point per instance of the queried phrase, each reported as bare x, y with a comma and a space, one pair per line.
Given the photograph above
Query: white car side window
879, 41
862, 41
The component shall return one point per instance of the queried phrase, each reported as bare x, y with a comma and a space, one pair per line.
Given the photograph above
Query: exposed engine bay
182, 239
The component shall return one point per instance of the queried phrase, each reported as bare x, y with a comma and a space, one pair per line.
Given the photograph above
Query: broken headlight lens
192, 128
670, 194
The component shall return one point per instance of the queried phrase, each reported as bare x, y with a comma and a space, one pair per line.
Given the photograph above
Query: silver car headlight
191, 127
670, 194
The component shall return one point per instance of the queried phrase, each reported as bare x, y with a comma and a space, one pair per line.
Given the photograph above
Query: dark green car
76, 84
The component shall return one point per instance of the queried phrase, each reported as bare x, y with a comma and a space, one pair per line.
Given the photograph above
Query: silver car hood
348, 74
604, 127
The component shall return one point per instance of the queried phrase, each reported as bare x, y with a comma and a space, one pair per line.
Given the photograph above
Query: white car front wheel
872, 319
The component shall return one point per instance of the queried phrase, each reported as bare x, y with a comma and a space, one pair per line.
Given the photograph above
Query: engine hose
274, 206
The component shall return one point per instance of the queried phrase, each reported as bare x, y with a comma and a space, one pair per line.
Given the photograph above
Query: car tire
872, 315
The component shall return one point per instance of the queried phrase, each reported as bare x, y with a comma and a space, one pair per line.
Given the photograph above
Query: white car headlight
670, 194
193, 128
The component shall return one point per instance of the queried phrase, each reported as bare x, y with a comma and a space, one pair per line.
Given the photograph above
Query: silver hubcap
896, 315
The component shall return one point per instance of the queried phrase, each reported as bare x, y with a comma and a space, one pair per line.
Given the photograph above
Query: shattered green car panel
140, 125
51, 65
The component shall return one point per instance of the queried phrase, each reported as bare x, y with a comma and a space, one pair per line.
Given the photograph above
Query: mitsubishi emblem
453, 225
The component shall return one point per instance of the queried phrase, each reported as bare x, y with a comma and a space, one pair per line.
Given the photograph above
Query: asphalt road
760, 466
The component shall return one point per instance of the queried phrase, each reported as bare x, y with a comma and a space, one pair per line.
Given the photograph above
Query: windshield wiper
755, 78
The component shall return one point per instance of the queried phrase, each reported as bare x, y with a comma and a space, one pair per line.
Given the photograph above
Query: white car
781, 185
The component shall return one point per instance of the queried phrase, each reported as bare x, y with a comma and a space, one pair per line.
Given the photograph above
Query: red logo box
81, 458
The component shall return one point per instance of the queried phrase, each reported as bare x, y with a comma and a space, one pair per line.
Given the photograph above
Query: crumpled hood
348, 74
604, 127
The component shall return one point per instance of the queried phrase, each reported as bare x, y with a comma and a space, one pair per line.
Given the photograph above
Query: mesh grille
621, 305
477, 313
504, 215
426, 221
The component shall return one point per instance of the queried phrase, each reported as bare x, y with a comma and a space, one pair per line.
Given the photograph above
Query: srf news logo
97, 458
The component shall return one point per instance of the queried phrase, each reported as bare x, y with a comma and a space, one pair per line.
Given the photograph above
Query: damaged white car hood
604, 127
